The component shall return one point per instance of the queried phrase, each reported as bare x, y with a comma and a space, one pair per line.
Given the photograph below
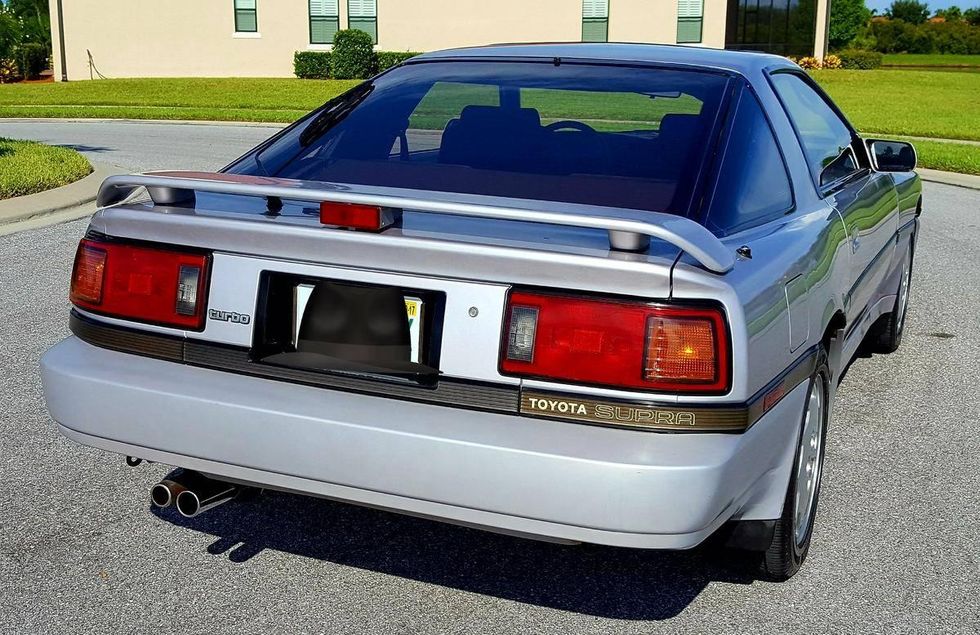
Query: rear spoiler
629, 230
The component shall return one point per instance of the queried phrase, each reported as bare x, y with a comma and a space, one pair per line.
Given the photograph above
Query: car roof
741, 62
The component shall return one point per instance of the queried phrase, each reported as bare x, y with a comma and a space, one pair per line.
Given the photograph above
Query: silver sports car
581, 292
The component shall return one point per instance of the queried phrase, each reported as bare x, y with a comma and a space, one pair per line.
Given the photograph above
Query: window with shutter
246, 19
690, 19
324, 21
363, 15
595, 20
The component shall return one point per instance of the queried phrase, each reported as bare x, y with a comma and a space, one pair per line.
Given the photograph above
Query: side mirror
891, 156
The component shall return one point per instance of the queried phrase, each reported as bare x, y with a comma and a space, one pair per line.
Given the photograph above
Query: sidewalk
59, 205
970, 181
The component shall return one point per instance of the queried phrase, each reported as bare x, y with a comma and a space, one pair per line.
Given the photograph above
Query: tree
911, 11
847, 17
951, 14
10, 33
34, 19
972, 16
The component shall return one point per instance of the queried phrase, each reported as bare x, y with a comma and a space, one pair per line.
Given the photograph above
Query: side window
753, 186
363, 15
324, 21
690, 19
826, 139
246, 19
595, 20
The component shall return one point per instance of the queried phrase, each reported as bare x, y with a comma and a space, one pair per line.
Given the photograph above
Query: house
257, 38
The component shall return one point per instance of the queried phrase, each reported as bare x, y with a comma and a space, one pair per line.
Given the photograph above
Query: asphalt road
139, 146
895, 548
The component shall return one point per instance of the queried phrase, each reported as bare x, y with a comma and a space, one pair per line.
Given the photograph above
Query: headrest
495, 115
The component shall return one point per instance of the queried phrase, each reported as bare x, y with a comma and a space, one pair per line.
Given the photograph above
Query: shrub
311, 64
831, 62
353, 55
860, 60
809, 63
8, 71
388, 59
32, 58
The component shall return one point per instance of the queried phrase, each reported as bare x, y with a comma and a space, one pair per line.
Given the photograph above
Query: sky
881, 5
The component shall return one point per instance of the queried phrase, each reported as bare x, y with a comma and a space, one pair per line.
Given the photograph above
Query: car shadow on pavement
595, 580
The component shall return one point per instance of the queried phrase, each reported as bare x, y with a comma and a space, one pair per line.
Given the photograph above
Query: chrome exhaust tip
164, 493
205, 495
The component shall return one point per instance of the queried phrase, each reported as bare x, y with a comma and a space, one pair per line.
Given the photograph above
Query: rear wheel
791, 538
886, 336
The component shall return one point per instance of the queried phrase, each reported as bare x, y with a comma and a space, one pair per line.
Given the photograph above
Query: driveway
895, 548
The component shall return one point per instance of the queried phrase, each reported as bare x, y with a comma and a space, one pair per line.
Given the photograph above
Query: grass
948, 156
27, 167
886, 102
900, 102
224, 99
912, 59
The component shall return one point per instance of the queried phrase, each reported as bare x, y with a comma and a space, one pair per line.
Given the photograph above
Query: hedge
388, 59
896, 36
353, 55
32, 58
858, 59
311, 64
317, 64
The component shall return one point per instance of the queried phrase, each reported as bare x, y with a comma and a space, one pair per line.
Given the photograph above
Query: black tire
786, 552
886, 334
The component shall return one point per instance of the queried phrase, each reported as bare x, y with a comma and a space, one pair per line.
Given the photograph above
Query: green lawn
952, 157
916, 103
27, 167
912, 59
225, 99
884, 102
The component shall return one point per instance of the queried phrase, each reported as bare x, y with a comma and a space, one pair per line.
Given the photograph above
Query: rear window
599, 135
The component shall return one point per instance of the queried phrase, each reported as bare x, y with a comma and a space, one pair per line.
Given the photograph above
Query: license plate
414, 308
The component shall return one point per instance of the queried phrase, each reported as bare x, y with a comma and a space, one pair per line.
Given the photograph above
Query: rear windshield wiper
329, 114
333, 111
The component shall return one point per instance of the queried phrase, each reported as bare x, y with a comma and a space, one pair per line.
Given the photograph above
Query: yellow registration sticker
413, 307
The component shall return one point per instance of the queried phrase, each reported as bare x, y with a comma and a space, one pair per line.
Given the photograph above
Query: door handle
855, 240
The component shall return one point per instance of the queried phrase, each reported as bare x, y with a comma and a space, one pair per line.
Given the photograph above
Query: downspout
826, 30
61, 42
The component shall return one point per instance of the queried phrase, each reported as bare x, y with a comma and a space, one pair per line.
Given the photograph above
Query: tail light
616, 343
144, 284
355, 216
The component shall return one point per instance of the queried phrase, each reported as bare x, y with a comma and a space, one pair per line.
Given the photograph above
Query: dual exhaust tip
192, 493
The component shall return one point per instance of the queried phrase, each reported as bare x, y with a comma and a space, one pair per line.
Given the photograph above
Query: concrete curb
970, 181
14, 212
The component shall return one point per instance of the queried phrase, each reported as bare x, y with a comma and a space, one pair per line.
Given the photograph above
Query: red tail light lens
616, 343
139, 283
350, 215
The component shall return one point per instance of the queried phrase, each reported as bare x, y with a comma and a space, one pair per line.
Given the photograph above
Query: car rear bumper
509, 473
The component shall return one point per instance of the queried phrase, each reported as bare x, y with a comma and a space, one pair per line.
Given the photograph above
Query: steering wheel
569, 124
